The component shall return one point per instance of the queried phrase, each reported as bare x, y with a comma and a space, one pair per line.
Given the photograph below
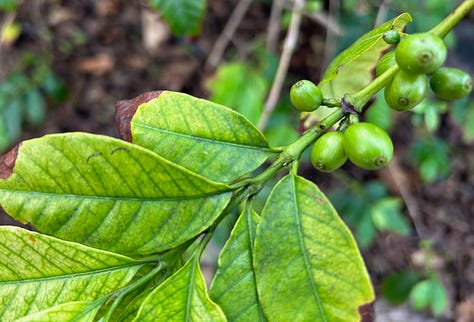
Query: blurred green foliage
23, 97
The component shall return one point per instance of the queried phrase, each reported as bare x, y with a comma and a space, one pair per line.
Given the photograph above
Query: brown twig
274, 25
224, 38
288, 48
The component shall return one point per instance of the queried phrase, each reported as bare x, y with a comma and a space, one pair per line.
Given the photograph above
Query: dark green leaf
202, 136
396, 287
233, 287
183, 16
182, 297
38, 272
386, 215
307, 265
107, 193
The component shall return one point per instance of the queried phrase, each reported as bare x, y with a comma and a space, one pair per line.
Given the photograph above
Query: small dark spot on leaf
339, 68
96, 154
367, 312
320, 200
7, 162
32, 239
125, 110
120, 148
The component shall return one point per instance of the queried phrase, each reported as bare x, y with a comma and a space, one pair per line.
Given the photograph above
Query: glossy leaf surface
67, 312
234, 288
202, 136
107, 193
182, 297
38, 272
307, 265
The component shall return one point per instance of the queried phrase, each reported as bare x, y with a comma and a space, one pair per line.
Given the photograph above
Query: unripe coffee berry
367, 146
405, 90
328, 152
391, 37
420, 53
305, 96
450, 83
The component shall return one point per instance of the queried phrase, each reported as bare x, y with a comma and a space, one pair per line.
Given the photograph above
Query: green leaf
386, 215
233, 287
429, 293
108, 193
183, 16
67, 312
202, 136
34, 267
239, 86
13, 114
307, 264
358, 60
396, 287
34, 107
182, 297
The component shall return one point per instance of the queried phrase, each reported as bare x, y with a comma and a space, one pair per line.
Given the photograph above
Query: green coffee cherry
405, 90
391, 37
385, 62
328, 152
305, 96
368, 146
450, 83
421, 53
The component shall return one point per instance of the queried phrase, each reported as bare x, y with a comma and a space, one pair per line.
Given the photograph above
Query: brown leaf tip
125, 110
367, 312
7, 162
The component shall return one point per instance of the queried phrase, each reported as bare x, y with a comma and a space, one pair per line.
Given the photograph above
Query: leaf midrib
264, 147
117, 198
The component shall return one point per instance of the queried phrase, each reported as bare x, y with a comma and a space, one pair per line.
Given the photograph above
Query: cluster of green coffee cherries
418, 57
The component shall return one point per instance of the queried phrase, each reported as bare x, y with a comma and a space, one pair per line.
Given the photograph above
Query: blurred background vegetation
63, 64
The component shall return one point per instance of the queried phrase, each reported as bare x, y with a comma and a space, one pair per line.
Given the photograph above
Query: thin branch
274, 25
330, 42
326, 21
288, 48
382, 12
229, 30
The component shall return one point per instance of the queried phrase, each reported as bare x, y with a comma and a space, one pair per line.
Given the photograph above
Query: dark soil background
99, 49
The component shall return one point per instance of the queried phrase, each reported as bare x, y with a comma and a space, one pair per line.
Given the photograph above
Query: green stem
453, 19
122, 293
359, 99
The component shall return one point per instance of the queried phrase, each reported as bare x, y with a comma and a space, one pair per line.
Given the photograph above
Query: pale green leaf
234, 288
183, 16
204, 137
67, 312
307, 264
38, 272
182, 297
108, 193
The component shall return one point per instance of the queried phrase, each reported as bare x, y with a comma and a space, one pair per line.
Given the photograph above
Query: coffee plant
122, 223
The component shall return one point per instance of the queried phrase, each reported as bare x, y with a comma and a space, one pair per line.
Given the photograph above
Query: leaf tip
7, 162
125, 110
367, 312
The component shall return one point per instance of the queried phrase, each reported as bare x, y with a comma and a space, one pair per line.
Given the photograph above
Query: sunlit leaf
182, 297
202, 136
67, 312
307, 265
38, 272
233, 287
107, 193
